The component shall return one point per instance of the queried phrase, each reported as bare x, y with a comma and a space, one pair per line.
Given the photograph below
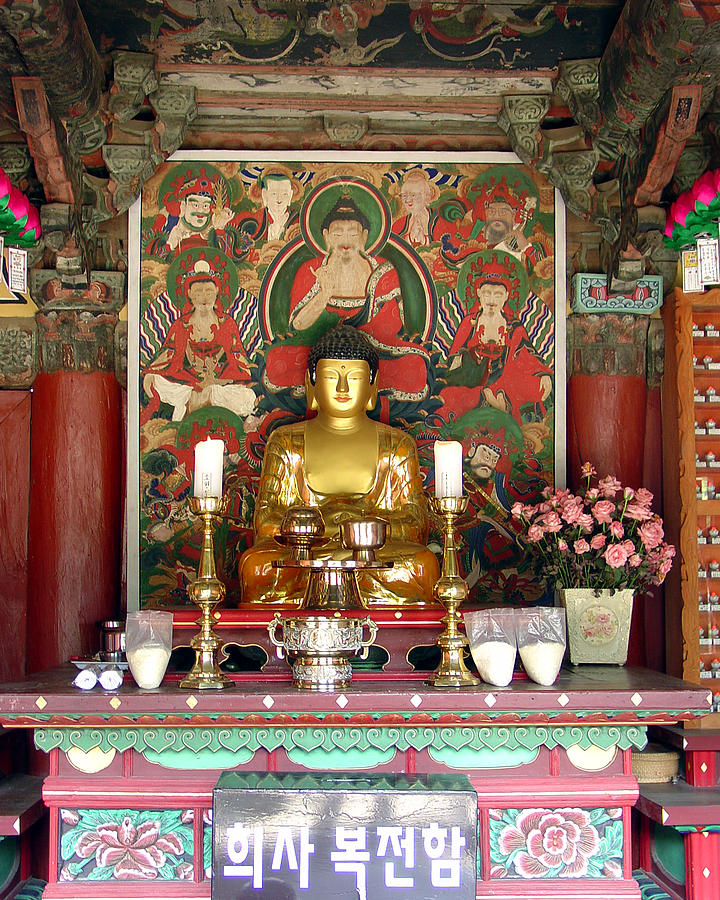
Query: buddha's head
345, 229
341, 377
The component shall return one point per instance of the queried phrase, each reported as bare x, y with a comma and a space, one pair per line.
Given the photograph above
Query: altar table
131, 772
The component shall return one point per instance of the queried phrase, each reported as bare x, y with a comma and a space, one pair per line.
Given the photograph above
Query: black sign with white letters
349, 837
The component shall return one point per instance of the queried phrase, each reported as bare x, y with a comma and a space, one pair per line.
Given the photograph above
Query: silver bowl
364, 537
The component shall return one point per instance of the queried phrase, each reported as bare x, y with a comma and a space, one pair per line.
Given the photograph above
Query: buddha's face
345, 239
342, 388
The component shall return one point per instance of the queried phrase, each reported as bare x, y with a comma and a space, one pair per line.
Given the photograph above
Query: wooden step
680, 804
21, 803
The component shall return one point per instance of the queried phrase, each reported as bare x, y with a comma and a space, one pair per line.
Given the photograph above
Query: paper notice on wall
17, 269
709, 260
691, 272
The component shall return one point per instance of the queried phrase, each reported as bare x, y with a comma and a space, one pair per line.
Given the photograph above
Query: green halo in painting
218, 263
364, 195
476, 263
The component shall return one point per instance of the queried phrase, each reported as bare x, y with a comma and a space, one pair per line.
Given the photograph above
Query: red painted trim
559, 889
127, 764
198, 871
54, 766
272, 765
627, 843
103, 890
53, 845
484, 848
554, 762
594, 791
410, 761
627, 762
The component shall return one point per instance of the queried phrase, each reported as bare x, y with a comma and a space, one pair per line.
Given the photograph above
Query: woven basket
655, 764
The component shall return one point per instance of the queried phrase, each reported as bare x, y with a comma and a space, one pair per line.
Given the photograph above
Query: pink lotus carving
134, 852
559, 839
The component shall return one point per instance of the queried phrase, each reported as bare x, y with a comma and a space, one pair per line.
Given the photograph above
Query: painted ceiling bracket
520, 118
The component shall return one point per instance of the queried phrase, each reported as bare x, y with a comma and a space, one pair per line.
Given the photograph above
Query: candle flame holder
451, 589
207, 591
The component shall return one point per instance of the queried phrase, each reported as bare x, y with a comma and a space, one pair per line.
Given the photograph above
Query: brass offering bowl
319, 648
301, 529
364, 537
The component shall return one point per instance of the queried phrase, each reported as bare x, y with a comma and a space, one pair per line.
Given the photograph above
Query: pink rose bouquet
605, 536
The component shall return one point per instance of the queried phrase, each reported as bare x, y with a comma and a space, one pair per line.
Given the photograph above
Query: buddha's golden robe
396, 495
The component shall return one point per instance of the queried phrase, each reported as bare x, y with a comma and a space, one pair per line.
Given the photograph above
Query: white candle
209, 468
448, 469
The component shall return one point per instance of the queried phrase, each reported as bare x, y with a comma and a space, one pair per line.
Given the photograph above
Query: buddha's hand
325, 278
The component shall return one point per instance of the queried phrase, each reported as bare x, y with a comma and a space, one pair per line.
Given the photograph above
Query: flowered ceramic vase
598, 624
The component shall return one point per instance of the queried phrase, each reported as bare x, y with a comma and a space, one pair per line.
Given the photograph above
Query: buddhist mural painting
448, 268
370, 33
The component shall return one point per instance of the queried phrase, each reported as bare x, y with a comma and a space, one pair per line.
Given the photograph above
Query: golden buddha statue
350, 467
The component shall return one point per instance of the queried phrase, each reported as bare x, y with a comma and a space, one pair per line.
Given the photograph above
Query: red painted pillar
702, 866
14, 480
606, 426
613, 422
75, 528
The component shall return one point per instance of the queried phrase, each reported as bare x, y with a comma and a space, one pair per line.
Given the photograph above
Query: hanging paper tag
17, 269
691, 272
709, 260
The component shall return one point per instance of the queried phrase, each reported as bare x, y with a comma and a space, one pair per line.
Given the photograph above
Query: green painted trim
485, 758
203, 759
696, 829
161, 741
319, 760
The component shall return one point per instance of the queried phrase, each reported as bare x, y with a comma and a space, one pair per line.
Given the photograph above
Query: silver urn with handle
320, 648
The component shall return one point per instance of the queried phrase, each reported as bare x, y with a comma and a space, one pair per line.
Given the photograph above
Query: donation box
349, 837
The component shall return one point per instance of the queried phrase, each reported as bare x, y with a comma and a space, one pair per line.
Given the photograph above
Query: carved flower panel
126, 845
556, 843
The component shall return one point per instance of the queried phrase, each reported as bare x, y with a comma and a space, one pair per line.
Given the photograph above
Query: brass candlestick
207, 591
451, 590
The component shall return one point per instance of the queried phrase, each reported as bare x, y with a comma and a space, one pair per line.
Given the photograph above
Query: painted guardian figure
349, 466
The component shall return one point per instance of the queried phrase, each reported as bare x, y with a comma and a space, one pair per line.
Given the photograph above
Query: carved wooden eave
638, 107
98, 121
67, 114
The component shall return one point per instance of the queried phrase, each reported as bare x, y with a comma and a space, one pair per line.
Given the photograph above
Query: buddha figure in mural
350, 467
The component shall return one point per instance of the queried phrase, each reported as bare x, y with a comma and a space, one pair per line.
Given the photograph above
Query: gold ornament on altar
207, 591
449, 504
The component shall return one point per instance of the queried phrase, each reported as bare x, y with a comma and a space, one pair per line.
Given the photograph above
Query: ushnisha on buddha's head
341, 379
